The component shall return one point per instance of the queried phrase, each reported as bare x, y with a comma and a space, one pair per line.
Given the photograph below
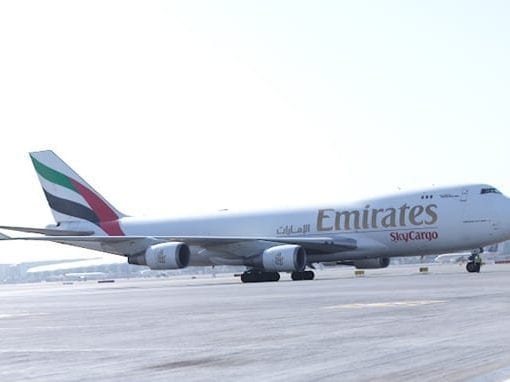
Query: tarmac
393, 324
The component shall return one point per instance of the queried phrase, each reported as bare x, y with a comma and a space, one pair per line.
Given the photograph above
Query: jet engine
282, 258
163, 256
378, 262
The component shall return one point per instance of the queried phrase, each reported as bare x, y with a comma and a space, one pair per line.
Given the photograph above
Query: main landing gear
253, 276
475, 261
305, 275
256, 276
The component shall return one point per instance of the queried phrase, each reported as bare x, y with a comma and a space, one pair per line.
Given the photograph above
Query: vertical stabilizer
70, 197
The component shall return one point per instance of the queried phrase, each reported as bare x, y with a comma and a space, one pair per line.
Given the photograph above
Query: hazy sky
174, 106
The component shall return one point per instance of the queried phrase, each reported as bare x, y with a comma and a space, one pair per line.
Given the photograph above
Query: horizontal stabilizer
47, 231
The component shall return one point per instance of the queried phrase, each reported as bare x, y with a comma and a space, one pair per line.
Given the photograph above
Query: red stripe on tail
108, 219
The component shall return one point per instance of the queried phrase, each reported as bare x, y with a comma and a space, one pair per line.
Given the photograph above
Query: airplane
365, 234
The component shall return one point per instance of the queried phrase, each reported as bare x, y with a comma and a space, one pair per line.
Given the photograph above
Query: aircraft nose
504, 216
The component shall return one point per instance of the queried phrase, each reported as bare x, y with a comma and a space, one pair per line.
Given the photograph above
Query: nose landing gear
475, 261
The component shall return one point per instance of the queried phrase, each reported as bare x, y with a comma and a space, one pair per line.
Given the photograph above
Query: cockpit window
489, 191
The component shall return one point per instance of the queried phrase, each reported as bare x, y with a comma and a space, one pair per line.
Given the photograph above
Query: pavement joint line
389, 304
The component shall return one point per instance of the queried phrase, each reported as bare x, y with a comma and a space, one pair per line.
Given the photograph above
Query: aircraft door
464, 195
477, 215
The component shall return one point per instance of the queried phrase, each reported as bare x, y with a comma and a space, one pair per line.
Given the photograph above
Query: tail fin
70, 197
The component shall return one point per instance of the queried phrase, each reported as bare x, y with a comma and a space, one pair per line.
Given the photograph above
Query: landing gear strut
475, 261
253, 276
305, 275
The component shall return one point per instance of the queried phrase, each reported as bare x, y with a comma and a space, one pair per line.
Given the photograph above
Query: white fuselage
429, 222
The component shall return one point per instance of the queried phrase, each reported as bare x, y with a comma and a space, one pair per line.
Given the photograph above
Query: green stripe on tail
52, 176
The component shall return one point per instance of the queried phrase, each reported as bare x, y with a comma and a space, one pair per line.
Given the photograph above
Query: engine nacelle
163, 256
282, 258
378, 262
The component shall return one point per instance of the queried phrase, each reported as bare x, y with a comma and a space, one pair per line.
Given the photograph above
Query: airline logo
278, 260
375, 218
161, 257
414, 235
92, 207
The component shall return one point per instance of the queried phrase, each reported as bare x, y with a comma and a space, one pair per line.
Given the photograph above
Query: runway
394, 324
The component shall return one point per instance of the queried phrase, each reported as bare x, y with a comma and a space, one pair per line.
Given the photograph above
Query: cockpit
489, 190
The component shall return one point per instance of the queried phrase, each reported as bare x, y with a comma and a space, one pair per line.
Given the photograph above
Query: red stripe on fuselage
108, 219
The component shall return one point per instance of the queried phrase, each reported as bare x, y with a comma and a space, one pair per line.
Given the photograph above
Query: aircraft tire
248, 277
271, 276
257, 277
471, 267
306, 275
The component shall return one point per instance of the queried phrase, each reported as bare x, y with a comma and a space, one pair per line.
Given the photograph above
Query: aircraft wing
130, 245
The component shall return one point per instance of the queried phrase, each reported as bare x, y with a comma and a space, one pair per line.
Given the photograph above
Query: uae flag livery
70, 197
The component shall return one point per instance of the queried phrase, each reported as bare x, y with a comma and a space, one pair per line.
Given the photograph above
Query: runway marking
389, 304
83, 350
11, 315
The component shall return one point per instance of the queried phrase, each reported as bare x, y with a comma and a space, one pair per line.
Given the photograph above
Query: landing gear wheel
306, 275
249, 277
270, 276
473, 267
475, 261
257, 276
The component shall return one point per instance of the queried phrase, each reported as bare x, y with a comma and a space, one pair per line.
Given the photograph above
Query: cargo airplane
363, 234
